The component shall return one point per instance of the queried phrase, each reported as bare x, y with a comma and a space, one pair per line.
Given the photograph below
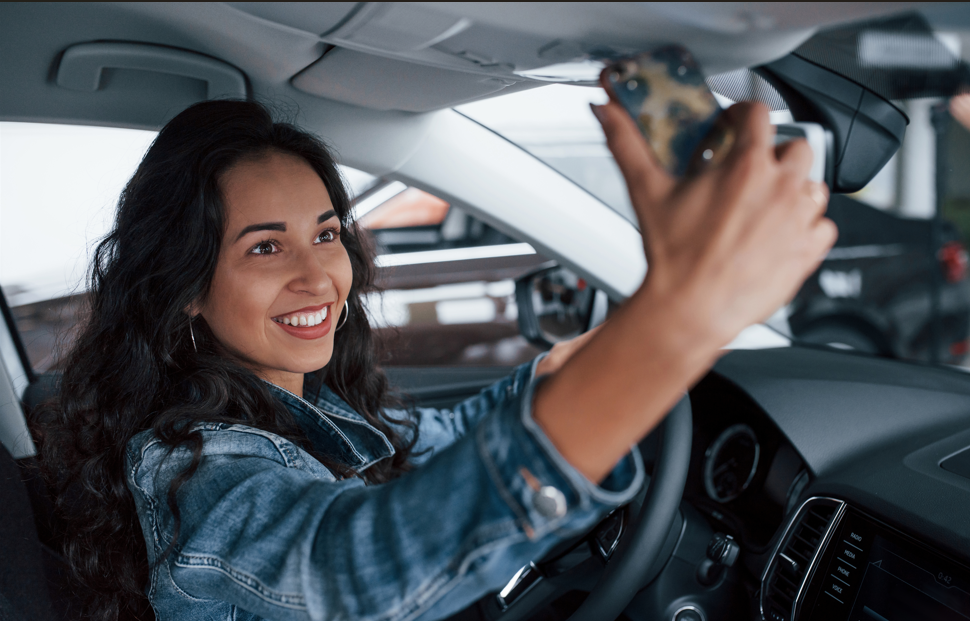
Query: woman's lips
307, 332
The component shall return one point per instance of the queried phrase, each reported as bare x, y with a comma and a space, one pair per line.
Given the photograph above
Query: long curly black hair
133, 366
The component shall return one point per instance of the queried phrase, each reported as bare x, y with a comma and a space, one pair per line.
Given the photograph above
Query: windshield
895, 284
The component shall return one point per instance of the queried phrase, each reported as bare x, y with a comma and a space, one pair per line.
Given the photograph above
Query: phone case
665, 93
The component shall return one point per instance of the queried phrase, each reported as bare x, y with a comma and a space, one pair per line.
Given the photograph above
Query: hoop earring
346, 314
192, 335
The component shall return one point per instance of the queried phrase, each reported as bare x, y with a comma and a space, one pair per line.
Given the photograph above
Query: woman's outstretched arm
724, 250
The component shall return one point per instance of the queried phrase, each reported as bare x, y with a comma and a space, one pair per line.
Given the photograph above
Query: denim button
549, 502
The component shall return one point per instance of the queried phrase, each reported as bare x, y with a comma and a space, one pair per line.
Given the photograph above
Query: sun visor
386, 84
312, 17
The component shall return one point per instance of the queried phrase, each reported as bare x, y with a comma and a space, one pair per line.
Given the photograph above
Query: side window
449, 276
448, 280
60, 185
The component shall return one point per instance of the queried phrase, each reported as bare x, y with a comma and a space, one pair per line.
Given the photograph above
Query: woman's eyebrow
265, 226
280, 226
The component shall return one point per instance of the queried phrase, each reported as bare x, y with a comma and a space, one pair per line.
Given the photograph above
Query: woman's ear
193, 309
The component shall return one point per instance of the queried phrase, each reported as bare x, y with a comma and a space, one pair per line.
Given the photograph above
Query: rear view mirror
555, 305
866, 129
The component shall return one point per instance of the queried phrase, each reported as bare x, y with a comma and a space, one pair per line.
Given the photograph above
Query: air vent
794, 557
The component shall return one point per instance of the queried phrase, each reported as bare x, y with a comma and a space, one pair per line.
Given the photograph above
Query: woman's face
283, 273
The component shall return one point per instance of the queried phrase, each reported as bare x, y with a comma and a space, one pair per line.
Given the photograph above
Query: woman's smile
309, 323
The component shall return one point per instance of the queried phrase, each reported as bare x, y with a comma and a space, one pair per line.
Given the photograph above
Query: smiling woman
282, 272
231, 224
224, 444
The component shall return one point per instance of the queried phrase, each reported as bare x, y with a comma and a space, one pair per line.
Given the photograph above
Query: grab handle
82, 65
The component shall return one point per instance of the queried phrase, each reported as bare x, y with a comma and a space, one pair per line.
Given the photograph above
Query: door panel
443, 387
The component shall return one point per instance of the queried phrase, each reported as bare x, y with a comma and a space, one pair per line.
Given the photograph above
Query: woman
224, 440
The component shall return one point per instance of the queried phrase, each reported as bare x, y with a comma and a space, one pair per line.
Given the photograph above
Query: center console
835, 563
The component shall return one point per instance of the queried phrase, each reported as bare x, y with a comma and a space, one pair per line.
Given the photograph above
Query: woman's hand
561, 352
960, 109
736, 243
724, 249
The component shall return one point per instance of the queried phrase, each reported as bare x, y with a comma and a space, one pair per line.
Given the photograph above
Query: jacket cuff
543, 490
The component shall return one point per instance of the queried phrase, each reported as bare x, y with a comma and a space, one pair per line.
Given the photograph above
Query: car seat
23, 580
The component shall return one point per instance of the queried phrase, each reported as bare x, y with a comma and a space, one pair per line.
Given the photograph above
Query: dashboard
837, 563
845, 478
798, 453
745, 476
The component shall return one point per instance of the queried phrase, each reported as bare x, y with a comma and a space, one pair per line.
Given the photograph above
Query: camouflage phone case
665, 93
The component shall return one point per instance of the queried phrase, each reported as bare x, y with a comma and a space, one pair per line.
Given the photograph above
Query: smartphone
666, 94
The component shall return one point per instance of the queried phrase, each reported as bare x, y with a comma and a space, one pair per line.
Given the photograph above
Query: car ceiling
362, 74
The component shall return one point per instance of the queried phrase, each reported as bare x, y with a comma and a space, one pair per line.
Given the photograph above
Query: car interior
793, 483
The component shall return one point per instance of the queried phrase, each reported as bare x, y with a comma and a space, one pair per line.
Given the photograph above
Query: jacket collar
335, 429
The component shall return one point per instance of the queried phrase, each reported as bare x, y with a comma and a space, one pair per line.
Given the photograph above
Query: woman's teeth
303, 319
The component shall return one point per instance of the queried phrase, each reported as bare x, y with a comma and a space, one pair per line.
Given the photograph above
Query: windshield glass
895, 284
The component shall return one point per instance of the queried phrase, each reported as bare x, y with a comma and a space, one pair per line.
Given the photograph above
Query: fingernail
597, 112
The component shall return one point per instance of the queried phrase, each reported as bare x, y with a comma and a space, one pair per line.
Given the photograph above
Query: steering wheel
640, 546
642, 542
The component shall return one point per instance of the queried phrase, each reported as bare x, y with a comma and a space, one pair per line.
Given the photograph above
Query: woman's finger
960, 109
796, 155
752, 125
645, 177
819, 194
810, 203
823, 235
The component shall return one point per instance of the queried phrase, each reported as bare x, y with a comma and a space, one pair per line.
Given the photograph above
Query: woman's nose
310, 275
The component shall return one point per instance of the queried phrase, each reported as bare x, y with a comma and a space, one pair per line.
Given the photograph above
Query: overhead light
585, 70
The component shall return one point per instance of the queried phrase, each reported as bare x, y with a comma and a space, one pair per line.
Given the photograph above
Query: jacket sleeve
265, 528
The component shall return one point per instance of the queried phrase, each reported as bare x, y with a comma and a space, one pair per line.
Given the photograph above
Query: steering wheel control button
549, 502
723, 549
607, 534
689, 613
722, 552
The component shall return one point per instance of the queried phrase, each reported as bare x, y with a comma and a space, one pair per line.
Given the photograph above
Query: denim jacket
269, 532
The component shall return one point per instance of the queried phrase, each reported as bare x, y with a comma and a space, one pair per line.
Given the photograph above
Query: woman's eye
328, 236
266, 247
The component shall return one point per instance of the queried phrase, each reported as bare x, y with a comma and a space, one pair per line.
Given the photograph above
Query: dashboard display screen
872, 573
